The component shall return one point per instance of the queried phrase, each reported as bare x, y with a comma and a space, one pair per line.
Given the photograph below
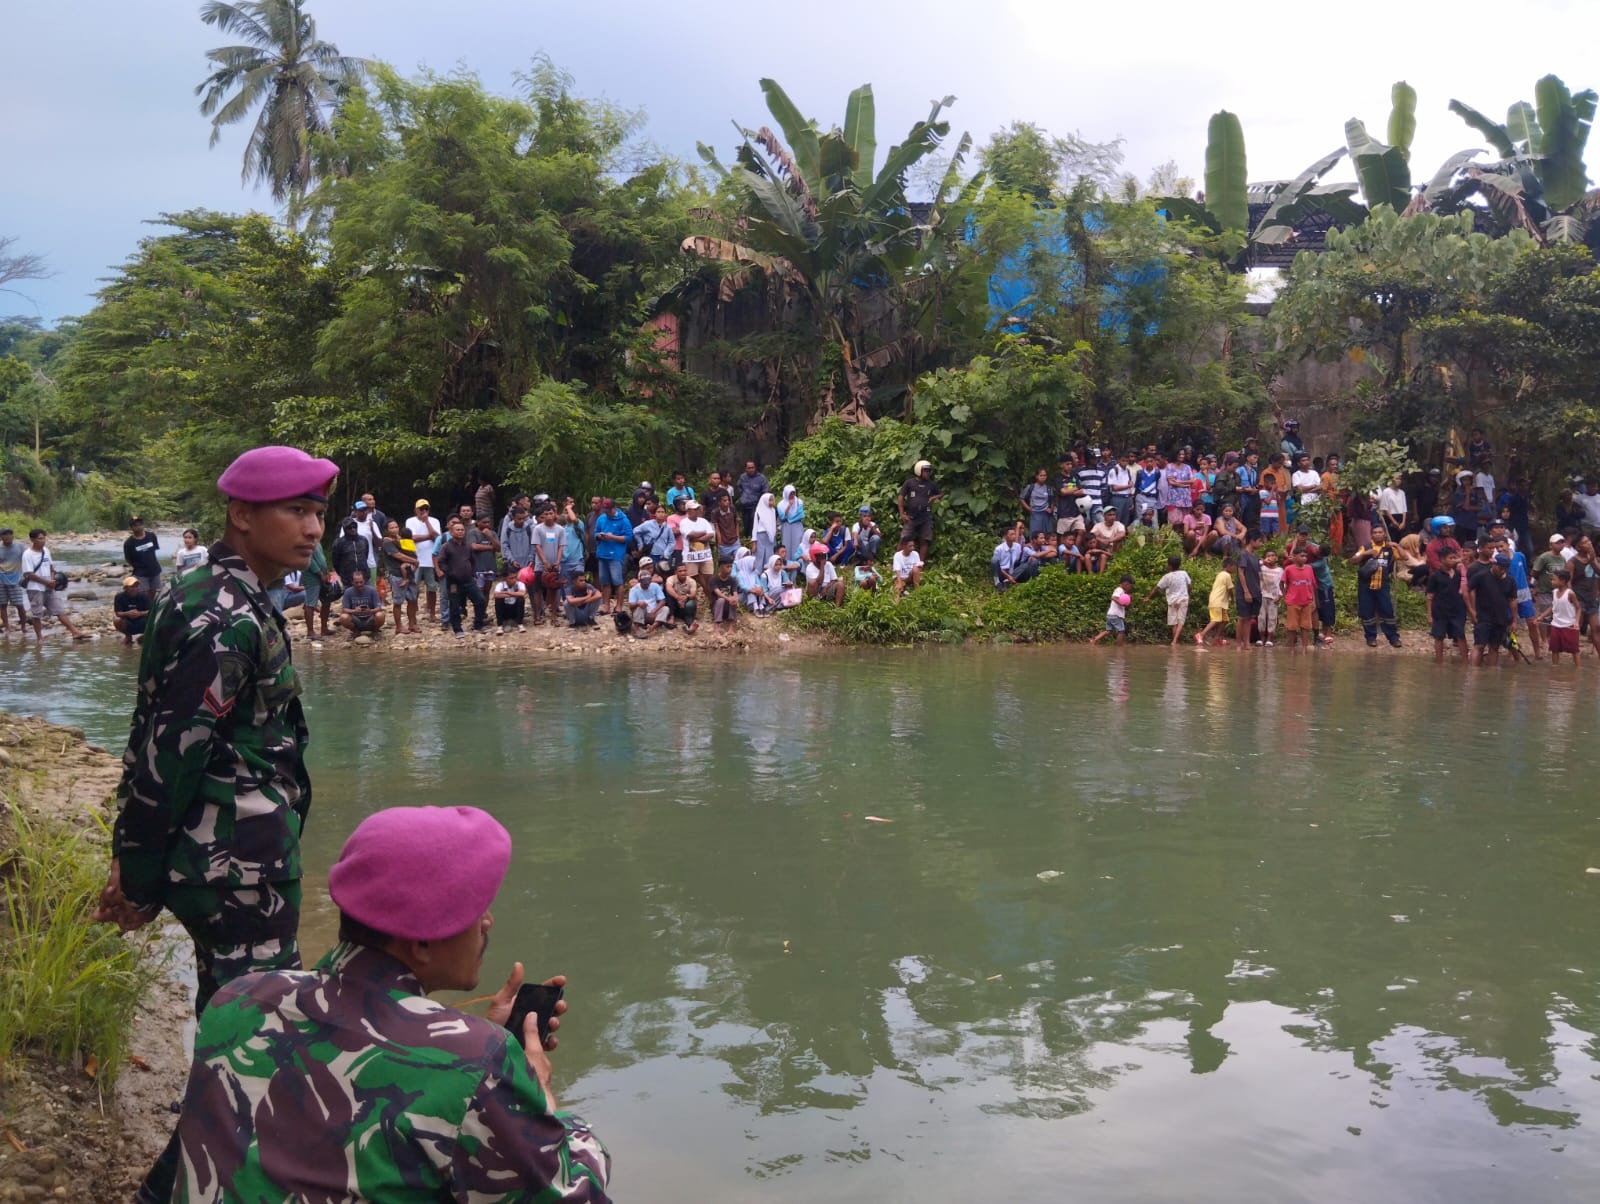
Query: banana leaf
1402, 117
1292, 193
860, 133
1565, 121
1522, 123
1565, 227
1226, 172
1385, 177
1445, 176
1493, 131
800, 133
1182, 208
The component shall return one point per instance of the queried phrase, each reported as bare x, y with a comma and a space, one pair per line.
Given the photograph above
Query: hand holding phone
534, 998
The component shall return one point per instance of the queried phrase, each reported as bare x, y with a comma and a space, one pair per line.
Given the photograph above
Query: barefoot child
1271, 592
1175, 585
1562, 617
1299, 600
1220, 604
1117, 614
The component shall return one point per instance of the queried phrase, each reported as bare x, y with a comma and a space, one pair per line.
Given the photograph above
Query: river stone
362, 640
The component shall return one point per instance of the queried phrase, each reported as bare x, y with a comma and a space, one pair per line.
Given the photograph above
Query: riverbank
63, 1133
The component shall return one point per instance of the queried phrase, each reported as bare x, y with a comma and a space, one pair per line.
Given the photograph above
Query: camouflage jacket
346, 1083
214, 787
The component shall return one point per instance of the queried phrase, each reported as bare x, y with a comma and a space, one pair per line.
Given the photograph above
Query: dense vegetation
470, 283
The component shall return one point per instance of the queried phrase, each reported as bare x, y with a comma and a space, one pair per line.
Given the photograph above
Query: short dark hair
6, 531
1174, 563
357, 933
36, 532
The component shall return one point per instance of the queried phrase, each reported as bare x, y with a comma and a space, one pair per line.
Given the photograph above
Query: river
1141, 926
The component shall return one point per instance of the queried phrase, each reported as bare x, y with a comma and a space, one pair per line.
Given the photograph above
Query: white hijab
788, 499
774, 573
766, 517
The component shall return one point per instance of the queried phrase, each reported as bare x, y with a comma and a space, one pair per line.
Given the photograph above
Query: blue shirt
646, 595
673, 494
572, 549
612, 524
11, 563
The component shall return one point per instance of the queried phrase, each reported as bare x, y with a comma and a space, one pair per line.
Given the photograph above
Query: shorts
1249, 608
919, 526
1525, 609
363, 622
1072, 522
1449, 629
313, 589
13, 595
1218, 615
1563, 639
1488, 635
43, 602
427, 578
401, 590
1298, 618
1178, 613
1542, 604
702, 568
1116, 624
610, 572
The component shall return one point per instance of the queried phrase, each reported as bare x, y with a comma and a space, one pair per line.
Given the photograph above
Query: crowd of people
691, 557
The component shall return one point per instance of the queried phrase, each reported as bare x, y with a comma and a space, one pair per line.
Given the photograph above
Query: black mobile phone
539, 1000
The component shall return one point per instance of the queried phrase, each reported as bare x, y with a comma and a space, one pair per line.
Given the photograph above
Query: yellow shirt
1222, 591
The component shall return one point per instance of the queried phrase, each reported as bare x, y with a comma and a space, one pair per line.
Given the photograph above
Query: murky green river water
1142, 927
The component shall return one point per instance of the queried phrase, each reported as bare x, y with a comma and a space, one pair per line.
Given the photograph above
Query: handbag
550, 579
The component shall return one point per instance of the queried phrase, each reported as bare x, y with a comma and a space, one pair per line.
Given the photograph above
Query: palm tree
284, 69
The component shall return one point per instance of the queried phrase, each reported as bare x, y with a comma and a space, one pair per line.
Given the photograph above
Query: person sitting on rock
131, 607
361, 611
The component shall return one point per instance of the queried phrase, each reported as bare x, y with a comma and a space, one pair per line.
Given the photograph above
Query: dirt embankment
62, 1135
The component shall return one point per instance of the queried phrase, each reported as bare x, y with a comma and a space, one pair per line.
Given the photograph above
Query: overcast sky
101, 128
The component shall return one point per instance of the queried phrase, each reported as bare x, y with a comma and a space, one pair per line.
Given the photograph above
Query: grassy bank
68, 988
1055, 606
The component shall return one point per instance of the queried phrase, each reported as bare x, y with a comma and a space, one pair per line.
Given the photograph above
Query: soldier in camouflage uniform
214, 788
347, 1083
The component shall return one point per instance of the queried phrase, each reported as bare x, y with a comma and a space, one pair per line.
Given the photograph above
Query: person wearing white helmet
915, 500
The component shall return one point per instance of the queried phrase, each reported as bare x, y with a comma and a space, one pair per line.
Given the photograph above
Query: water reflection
1319, 927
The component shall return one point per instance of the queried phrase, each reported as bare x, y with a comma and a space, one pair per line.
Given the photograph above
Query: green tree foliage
483, 247
1368, 294
290, 78
194, 341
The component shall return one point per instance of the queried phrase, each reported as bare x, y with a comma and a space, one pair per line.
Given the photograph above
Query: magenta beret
421, 873
273, 474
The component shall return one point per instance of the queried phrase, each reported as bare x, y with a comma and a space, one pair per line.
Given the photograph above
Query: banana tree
1228, 196
1540, 183
818, 213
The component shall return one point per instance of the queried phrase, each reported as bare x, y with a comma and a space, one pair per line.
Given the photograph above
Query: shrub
67, 987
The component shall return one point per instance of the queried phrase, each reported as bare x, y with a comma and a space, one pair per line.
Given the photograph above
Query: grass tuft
68, 987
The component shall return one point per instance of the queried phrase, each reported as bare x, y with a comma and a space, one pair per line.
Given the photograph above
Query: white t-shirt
1175, 585
368, 530
1307, 484
1392, 501
1271, 582
1568, 553
698, 530
829, 573
1119, 479
509, 589
1485, 483
1110, 532
419, 531
1117, 610
1563, 609
36, 562
906, 562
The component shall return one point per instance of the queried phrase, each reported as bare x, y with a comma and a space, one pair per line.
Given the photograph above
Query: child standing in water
1117, 614
1175, 585
1220, 604
1271, 593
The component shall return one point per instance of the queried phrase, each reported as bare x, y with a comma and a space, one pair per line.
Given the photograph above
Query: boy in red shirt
1299, 600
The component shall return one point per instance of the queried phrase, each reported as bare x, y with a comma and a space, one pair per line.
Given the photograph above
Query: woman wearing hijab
765, 524
752, 587
792, 518
772, 582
